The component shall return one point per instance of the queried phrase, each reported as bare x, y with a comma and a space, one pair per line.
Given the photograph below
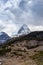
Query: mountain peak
3, 37
24, 29
1, 33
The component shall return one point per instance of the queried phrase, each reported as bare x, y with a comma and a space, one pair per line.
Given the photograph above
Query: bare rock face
31, 43
41, 43
28, 44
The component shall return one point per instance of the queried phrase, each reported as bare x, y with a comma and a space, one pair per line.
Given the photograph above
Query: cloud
14, 13
37, 7
10, 28
3, 1
37, 10
35, 28
34, 8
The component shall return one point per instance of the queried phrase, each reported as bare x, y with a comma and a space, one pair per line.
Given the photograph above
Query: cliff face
26, 43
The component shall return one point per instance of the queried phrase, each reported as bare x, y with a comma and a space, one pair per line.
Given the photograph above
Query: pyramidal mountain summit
24, 30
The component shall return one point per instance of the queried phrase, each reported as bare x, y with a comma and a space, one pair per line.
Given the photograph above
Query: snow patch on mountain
24, 30
3, 37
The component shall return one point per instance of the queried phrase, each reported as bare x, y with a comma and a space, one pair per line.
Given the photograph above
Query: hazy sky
15, 13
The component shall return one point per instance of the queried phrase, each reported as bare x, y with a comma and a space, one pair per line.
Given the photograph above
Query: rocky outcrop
27, 44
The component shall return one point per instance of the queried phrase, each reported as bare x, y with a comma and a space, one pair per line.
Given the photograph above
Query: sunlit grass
38, 58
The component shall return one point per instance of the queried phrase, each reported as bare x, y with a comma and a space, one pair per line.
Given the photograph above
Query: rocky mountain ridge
3, 37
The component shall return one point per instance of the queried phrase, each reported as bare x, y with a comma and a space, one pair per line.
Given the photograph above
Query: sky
15, 13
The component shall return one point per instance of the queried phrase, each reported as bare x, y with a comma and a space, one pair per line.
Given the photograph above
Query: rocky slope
23, 50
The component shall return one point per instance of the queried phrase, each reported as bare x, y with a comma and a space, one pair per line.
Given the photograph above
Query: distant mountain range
30, 40
3, 37
22, 31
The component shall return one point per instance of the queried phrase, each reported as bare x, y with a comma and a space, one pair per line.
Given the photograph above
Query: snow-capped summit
24, 30
3, 37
